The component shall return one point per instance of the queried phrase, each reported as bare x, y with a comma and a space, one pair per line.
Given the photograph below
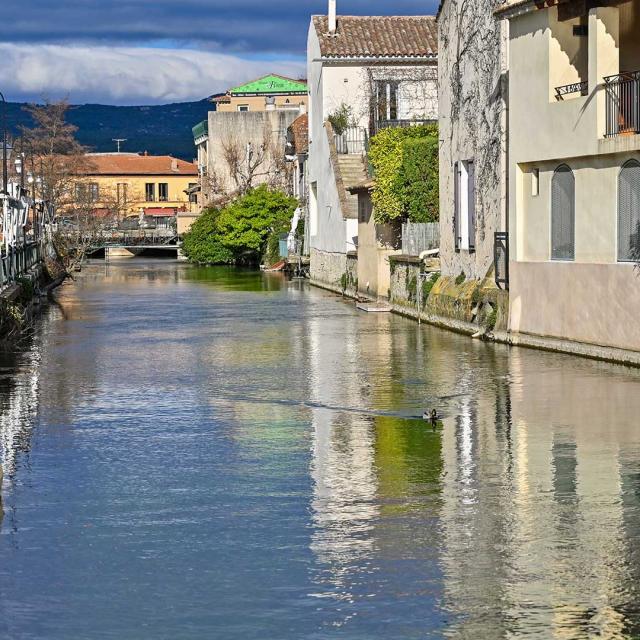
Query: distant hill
160, 130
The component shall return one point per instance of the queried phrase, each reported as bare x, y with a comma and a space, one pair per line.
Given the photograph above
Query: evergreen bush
405, 163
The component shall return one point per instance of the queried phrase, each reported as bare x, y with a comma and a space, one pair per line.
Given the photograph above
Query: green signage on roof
271, 85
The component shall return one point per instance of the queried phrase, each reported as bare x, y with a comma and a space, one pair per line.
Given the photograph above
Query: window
465, 205
563, 214
365, 208
163, 192
535, 182
193, 195
243, 107
150, 192
629, 212
386, 104
122, 189
89, 192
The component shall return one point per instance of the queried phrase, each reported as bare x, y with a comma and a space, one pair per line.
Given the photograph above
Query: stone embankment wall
335, 271
469, 306
20, 301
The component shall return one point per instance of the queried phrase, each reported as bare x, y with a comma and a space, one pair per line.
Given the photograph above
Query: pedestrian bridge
130, 244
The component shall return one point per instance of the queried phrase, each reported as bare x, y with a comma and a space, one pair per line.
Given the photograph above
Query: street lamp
19, 164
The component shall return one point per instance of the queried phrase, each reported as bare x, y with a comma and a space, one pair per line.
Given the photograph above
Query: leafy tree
396, 196
202, 243
240, 231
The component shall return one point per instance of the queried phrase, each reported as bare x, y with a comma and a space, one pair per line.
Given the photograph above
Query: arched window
563, 214
629, 212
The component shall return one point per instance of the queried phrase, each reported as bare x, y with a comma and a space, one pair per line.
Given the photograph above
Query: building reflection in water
343, 467
527, 504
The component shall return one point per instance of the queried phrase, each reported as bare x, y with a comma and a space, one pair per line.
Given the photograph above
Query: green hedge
405, 163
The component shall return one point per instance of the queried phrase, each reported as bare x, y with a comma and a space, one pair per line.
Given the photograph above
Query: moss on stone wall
470, 301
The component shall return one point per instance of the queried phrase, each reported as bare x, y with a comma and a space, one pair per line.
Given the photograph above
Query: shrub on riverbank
239, 233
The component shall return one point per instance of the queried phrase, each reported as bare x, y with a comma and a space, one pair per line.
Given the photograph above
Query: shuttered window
464, 205
629, 212
456, 205
471, 204
563, 214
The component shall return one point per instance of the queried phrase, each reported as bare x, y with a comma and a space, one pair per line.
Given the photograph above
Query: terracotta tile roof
378, 37
299, 134
131, 164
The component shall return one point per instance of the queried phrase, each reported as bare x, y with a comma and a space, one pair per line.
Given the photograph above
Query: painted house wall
136, 200
376, 242
592, 299
472, 117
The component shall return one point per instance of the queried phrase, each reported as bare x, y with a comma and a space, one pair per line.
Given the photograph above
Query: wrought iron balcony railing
569, 89
394, 124
623, 104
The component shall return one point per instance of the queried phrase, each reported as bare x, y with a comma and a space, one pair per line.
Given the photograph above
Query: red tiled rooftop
130, 164
378, 37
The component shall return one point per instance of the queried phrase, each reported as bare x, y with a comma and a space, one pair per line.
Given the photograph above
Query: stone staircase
353, 172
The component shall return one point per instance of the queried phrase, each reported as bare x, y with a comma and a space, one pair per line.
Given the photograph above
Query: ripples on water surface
201, 453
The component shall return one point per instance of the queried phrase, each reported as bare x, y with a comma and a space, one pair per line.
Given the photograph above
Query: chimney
174, 164
333, 20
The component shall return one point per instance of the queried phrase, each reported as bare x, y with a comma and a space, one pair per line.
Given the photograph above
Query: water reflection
272, 431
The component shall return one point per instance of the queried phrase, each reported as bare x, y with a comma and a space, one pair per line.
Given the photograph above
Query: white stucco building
574, 171
384, 70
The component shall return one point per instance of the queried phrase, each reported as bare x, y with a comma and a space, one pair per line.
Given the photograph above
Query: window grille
629, 212
563, 214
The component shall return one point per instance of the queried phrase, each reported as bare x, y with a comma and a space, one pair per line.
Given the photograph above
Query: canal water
205, 453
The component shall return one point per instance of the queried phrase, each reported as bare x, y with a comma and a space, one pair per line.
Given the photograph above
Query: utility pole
118, 142
5, 160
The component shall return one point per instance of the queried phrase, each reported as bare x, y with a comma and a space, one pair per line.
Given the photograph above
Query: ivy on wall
405, 163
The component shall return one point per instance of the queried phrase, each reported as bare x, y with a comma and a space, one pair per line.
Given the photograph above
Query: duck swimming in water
431, 416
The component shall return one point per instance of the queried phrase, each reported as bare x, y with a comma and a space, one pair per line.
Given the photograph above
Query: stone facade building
473, 90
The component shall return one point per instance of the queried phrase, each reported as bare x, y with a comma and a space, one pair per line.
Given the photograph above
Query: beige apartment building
574, 171
268, 92
128, 184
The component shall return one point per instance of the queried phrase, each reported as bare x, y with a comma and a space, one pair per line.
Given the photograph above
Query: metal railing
501, 259
419, 237
569, 89
623, 103
17, 261
400, 124
352, 141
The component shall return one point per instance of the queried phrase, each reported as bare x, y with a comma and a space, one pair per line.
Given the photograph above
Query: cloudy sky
157, 51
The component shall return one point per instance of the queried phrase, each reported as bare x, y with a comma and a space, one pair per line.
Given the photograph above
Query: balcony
352, 141
623, 104
572, 89
395, 124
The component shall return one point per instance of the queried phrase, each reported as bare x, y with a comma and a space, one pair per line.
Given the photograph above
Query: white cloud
125, 75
